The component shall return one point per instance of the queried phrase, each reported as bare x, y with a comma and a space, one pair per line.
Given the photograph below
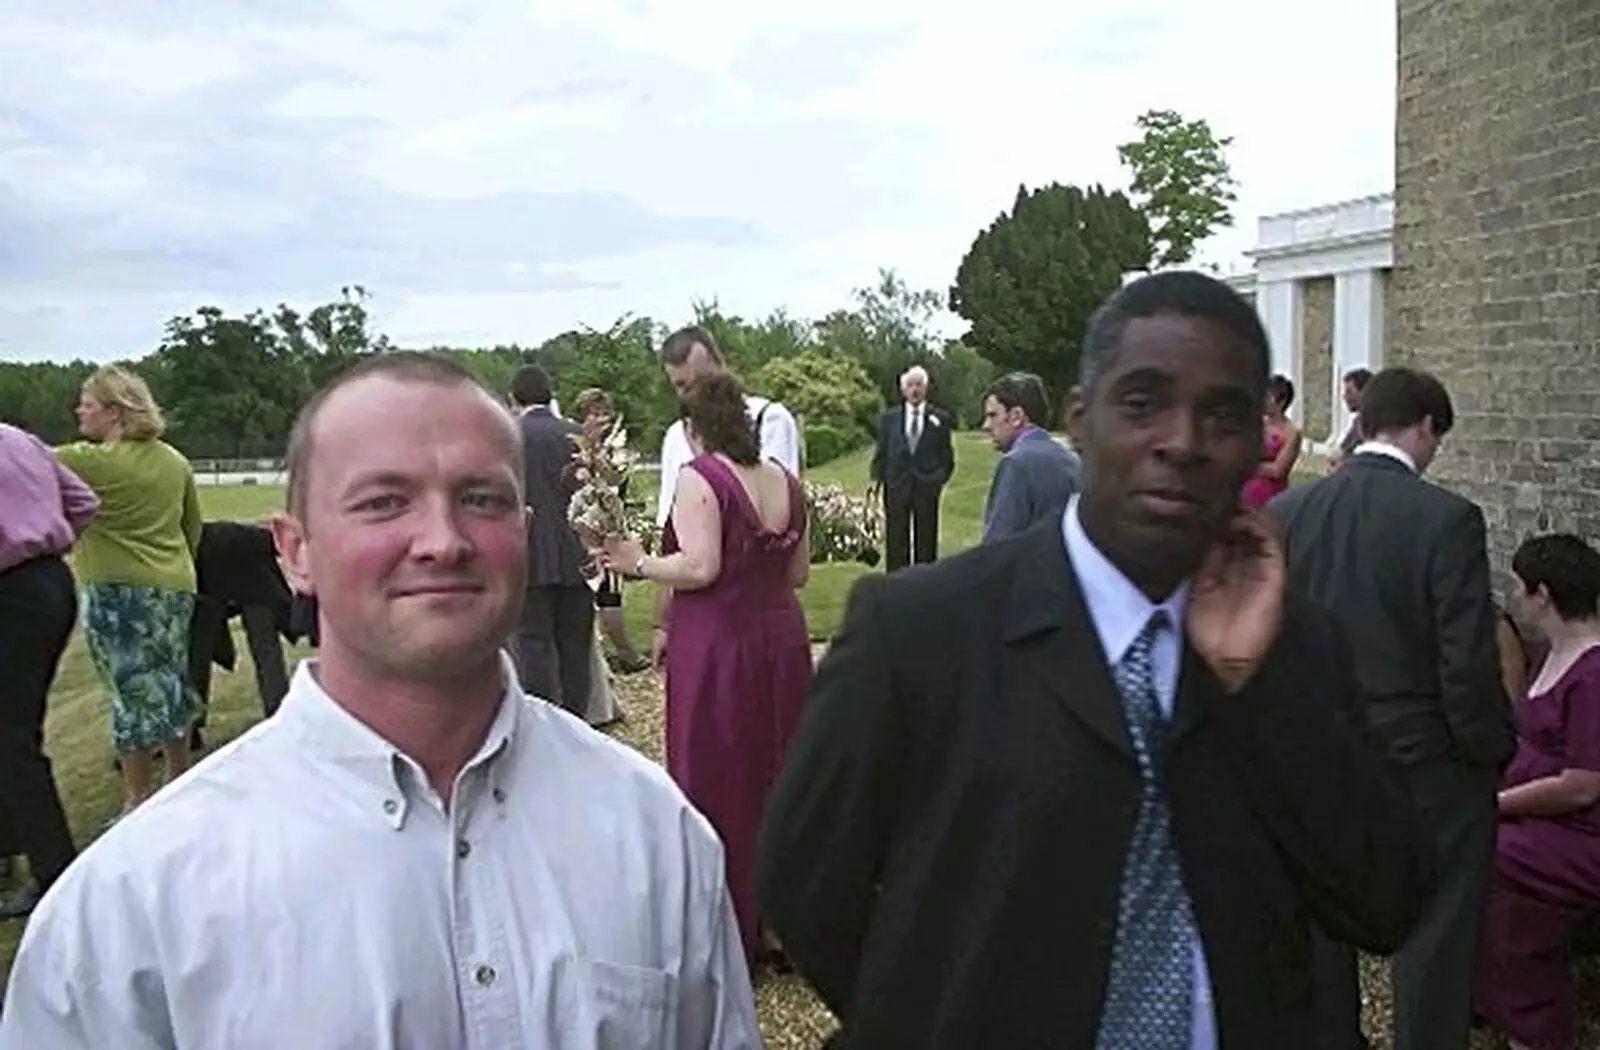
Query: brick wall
1316, 357
1496, 286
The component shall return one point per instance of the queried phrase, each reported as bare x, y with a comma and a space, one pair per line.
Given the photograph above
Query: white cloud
501, 171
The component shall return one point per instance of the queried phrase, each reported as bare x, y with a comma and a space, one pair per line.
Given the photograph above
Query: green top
148, 528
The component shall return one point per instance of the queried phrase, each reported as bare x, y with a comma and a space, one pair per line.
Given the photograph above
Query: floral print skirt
139, 641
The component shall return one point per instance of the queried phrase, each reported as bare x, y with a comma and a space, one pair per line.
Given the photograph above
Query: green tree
959, 375
621, 360
831, 395
890, 328
230, 386
39, 396
1181, 181
1030, 281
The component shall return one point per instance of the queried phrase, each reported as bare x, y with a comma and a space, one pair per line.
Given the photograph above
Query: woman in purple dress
1547, 857
738, 657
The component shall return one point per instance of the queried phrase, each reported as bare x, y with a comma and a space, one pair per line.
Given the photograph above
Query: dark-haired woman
738, 659
1547, 853
1280, 446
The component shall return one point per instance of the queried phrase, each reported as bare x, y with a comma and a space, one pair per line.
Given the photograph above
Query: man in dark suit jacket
557, 628
237, 574
911, 463
1036, 474
1086, 787
1402, 565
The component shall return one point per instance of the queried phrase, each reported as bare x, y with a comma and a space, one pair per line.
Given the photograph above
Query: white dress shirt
1383, 448
1120, 611
305, 887
916, 422
780, 442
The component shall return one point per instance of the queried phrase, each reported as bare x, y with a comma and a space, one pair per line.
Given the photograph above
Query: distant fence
238, 471
272, 472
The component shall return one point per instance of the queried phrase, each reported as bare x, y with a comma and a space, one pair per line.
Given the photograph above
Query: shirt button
390, 806
484, 975
463, 847
499, 794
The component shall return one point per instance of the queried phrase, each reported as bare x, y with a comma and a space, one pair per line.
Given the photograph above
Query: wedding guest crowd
411, 853
1177, 728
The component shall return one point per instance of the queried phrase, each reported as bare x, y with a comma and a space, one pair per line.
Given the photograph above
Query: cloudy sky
499, 171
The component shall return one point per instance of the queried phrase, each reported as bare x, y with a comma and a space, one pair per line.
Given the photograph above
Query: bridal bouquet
844, 527
600, 465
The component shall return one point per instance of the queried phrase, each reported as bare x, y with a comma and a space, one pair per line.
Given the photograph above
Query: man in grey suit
557, 626
1036, 475
1403, 566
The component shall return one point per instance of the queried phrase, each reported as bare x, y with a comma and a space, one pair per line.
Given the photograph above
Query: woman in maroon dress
1547, 858
738, 657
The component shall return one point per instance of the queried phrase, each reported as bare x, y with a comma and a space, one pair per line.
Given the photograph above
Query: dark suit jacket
943, 852
1033, 481
236, 566
1402, 565
904, 473
555, 554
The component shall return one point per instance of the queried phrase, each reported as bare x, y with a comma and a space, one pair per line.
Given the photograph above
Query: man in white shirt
412, 854
687, 354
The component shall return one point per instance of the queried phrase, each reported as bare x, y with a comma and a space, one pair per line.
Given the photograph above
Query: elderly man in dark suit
1402, 564
1087, 788
1036, 474
911, 464
557, 627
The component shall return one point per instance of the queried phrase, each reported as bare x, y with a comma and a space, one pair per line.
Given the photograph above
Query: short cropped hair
1399, 398
1184, 293
403, 366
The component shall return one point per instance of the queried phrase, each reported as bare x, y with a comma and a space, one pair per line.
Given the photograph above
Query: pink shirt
43, 505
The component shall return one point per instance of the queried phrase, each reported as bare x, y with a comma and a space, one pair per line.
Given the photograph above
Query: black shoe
21, 903
630, 663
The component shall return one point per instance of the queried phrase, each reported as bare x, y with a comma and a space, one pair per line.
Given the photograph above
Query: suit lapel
1048, 629
1196, 687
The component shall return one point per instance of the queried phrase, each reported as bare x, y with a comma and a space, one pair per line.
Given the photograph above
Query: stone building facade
1496, 281
1483, 267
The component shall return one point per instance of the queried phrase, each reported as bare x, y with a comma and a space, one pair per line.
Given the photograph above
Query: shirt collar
1026, 434
1383, 448
1119, 610
368, 764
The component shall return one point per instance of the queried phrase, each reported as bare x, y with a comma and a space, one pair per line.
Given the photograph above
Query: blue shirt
1119, 611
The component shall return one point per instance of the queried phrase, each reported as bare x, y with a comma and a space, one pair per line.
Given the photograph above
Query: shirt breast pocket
613, 1006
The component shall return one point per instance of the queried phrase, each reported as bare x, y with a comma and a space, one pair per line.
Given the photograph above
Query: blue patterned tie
1150, 998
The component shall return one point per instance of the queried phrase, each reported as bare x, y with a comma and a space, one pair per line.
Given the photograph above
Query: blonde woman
135, 567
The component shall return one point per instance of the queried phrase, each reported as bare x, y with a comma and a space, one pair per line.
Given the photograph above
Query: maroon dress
1547, 870
738, 666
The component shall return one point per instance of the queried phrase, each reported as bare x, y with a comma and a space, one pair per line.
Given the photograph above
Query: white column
1357, 334
1282, 314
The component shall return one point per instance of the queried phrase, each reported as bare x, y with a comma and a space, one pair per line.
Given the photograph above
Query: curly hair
714, 405
129, 399
592, 399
